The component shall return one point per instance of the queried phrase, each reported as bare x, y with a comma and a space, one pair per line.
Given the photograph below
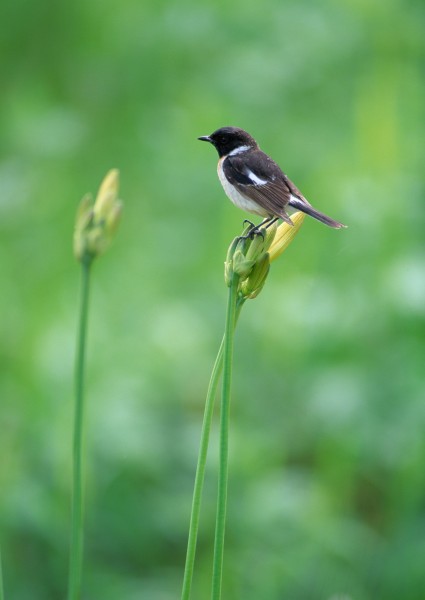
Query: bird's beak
205, 138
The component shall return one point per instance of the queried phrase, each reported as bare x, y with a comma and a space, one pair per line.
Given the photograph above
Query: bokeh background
327, 488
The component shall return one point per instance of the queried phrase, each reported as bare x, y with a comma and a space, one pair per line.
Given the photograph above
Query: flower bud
114, 217
241, 265
252, 286
256, 246
83, 221
270, 235
107, 195
236, 246
285, 234
96, 224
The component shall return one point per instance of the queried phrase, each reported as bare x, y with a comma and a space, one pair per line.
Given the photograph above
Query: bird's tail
306, 208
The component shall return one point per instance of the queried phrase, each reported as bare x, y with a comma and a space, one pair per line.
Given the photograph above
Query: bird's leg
271, 221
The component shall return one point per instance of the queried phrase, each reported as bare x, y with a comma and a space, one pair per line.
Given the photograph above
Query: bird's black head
227, 139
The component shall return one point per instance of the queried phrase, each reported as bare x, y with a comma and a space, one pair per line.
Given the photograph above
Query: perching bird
254, 182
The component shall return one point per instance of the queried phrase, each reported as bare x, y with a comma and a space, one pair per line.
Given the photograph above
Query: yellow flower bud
270, 235
107, 195
285, 234
114, 217
95, 225
84, 212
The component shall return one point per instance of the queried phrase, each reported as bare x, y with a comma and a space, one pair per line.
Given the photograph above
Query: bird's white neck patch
239, 150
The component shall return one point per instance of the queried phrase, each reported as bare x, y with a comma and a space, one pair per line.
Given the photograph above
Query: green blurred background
327, 488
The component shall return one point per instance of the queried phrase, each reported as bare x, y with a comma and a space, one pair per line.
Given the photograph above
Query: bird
254, 182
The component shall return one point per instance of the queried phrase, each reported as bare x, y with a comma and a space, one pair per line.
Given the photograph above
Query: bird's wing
260, 180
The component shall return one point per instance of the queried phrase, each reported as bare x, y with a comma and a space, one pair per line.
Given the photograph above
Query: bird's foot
252, 231
249, 223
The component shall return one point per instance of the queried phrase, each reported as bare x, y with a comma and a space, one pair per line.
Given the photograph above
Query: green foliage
329, 359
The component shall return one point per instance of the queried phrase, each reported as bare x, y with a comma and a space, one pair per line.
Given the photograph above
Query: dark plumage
254, 182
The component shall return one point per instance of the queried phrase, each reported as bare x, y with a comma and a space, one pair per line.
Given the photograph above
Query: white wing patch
254, 178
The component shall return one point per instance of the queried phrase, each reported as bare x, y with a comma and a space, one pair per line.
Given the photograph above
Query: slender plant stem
224, 439
1, 581
200, 474
200, 468
76, 552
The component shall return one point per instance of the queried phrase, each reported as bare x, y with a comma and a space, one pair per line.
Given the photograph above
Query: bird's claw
249, 223
252, 232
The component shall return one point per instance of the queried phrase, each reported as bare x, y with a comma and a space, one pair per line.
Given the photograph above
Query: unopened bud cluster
97, 222
250, 258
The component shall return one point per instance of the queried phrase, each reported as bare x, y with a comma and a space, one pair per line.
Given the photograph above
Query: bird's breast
242, 202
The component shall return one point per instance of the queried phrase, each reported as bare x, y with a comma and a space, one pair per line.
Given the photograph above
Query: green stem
1, 582
200, 469
200, 474
76, 552
224, 439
